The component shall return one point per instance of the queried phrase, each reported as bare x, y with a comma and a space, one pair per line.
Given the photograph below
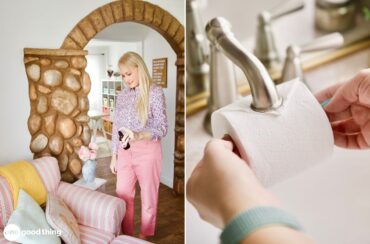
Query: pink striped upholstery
6, 202
92, 208
94, 236
128, 240
48, 169
99, 215
3, 240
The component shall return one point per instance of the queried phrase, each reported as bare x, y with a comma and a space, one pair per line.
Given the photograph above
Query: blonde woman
140, 115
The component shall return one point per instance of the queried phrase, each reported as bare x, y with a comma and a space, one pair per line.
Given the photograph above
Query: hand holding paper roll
235, 190
349, 111
227, 172
279, 143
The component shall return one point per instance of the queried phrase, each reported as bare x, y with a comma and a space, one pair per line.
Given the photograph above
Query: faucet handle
197, 67
293, 67
333, 40
265, 48
286, 8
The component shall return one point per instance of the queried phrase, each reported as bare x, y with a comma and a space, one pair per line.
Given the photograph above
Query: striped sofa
99, 215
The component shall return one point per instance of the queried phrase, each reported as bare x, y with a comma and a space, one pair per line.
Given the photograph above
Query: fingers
342, 99
348, 127
356, 90
128, 132
125, 138
356, 141
124, 142
340, 116
235, 148
215, 145
360, 113
327, 93
228, 142
113, 169
344, 94
365, 129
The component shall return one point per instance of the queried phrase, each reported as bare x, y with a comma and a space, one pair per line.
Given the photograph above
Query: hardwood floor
170, 216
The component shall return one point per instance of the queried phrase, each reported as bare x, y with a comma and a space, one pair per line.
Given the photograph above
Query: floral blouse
125, 114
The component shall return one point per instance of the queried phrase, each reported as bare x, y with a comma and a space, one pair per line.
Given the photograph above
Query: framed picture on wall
159, 74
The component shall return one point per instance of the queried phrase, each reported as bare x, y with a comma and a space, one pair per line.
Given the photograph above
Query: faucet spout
263, 90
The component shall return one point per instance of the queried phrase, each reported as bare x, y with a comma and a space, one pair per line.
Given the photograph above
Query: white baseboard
167, 181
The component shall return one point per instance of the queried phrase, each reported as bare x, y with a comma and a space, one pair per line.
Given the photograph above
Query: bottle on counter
335, 15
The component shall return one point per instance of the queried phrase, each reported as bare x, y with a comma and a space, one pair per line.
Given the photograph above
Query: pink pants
143, 162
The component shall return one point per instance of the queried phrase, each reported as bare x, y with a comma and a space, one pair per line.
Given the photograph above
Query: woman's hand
130, 135
113, 164
222, 185
349, 111
124, 140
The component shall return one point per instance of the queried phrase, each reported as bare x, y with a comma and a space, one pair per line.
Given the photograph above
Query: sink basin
332, 200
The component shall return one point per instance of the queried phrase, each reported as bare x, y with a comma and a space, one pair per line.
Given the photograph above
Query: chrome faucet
263, 90
197, 66
293, 66
223, 84
265, 49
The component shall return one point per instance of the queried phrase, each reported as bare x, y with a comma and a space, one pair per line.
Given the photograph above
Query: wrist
137, 136
231, 209
114, 157
142, 135
230, 212
253, 219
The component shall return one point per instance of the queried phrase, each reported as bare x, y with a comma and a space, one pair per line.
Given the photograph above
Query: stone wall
58, 120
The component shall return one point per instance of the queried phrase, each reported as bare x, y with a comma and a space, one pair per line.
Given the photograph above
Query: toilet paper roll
280, 143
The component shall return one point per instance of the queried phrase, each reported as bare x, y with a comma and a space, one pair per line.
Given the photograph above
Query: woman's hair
133, 59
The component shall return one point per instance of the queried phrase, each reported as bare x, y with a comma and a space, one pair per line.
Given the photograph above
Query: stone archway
58, 92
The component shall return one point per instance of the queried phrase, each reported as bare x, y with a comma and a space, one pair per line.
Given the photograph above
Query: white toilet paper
281, 143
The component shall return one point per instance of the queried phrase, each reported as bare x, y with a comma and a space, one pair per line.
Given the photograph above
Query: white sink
332, 200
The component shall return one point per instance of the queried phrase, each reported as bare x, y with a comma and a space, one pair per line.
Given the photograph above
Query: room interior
66, 108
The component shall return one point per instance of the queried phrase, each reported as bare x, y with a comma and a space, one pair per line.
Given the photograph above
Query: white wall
117, 49
36, 24
155, 46
96, 67
101, 55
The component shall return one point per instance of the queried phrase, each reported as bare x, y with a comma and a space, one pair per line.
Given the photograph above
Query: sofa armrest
92, 208
48, 169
